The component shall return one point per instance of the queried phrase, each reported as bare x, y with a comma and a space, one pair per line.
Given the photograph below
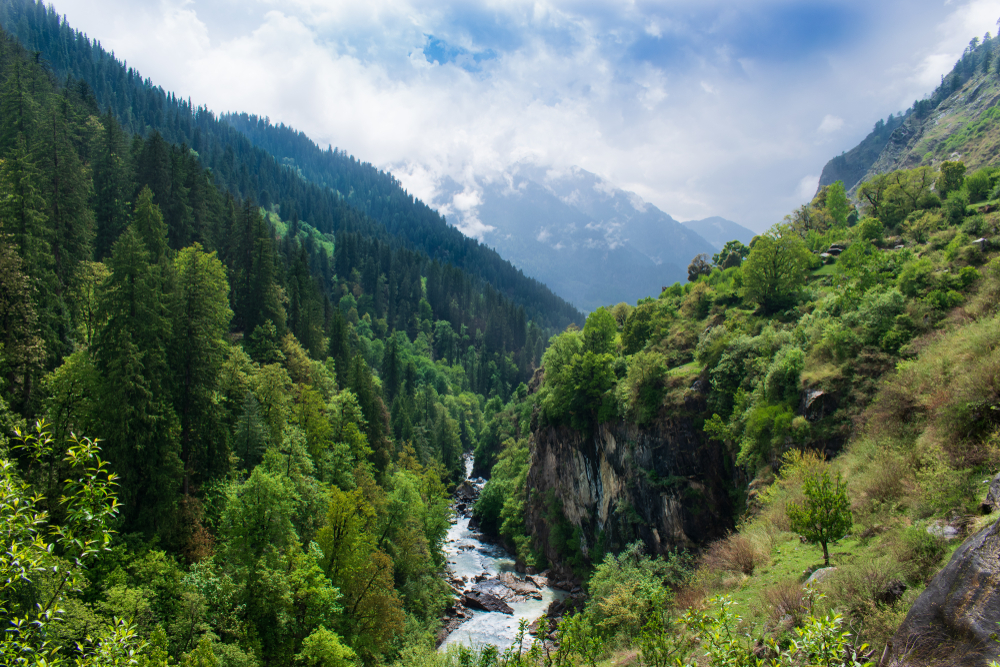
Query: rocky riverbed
491, 597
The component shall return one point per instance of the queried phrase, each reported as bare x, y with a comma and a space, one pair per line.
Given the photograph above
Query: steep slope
851, 167
955, 122
719, 231
333, 188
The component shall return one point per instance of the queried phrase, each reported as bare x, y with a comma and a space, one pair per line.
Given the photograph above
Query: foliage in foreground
42, 562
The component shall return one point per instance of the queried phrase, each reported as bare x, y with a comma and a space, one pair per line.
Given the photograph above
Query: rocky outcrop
954, 621
664, 484
992, 501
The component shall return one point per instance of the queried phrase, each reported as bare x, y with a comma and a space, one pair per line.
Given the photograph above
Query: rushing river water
467, 557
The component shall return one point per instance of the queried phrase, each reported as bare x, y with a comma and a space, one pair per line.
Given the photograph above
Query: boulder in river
954, 621
477, 600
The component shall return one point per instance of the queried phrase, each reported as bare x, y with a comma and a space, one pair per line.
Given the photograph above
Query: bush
955, 205
767, 428
869, 229
978, 185
921, 550
624, 588
641, 391
787, 599
976, 226
782, 380
735, 553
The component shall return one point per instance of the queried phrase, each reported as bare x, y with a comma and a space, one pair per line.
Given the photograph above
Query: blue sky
702, 108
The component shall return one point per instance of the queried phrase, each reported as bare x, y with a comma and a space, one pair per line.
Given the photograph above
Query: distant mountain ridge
594, 244
719, 231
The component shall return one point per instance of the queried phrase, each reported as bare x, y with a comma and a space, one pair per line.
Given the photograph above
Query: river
468, 556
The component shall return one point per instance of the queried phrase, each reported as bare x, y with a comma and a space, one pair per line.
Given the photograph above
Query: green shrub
642, 390
781, 383
922, 550
767, 428
624, 589
955, 205
978, 185
869, 229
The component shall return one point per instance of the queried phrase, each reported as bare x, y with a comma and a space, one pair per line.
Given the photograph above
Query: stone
817, 404
955, 619
992, 501
944, 530
891, 592
820, 575
476, 600
518, 585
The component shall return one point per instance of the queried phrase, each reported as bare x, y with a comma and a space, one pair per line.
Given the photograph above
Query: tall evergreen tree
112, 185
67, 191
199, 314
136, 416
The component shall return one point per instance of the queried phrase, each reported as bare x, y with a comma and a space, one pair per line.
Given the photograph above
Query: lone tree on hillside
826, 515
698, 267
775, 269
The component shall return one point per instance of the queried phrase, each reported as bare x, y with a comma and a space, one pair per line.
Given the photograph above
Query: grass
690, 368
825, 270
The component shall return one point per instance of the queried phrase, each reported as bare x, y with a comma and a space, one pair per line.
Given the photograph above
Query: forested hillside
227, 433
327, 189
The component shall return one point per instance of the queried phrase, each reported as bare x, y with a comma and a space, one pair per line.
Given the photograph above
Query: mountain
851, 166
719, 231
594, 244
955, 122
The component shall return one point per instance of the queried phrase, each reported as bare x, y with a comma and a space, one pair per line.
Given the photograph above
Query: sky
701, 107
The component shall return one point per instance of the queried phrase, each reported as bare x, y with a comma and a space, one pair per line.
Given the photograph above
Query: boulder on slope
954, 621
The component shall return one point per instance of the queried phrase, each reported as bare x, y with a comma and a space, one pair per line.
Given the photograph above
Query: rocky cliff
664, 484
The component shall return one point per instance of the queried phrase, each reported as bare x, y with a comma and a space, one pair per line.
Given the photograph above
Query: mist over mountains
591, 242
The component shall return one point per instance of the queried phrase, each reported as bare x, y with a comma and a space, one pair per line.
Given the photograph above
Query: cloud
807, 187
830, 124
464, 89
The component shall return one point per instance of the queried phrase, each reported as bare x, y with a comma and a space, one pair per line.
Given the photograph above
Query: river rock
476, 600
466, 491
955, 619
520, 586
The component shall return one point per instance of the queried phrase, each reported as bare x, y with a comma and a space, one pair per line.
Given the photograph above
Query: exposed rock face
953, 620
663, 484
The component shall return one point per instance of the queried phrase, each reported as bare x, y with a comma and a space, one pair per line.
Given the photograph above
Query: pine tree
200, 314
148, 224
138, 421
112, 186
18, 109
21, 347
67, 190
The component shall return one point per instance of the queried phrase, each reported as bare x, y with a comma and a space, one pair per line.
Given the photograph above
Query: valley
260, 405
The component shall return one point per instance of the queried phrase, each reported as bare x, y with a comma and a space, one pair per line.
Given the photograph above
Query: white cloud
807, 187
830, 124
565, 87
